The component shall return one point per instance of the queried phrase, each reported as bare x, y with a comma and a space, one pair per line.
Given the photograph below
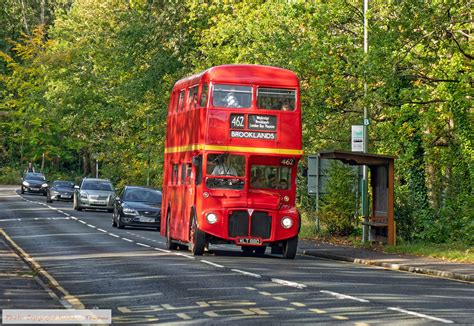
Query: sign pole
365, 172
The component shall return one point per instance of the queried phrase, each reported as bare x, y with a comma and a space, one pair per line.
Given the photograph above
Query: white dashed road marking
211, 263
445, 321
246, 273
343, 296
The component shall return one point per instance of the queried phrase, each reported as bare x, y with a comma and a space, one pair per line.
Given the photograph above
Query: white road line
114, 235
101, 230
92, 226
184, 255
246, 273
143, 245
343, 296
127, 239
211, 263
445, 321
288, 283
81, 221
162, 250
10, 219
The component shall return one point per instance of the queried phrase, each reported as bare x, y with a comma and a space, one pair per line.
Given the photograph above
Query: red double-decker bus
233, 141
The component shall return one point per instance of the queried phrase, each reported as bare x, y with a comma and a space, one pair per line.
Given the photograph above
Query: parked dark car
60, 190
34, 182
137, 206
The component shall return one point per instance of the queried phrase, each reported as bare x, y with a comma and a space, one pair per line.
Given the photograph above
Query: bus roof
243, 74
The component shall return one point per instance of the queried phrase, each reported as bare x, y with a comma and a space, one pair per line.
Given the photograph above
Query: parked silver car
94, 194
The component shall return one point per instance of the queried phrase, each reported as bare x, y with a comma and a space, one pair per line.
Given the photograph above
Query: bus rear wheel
170, 245
289, 248
197, 237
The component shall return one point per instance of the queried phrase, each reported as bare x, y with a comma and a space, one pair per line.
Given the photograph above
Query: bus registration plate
250, 241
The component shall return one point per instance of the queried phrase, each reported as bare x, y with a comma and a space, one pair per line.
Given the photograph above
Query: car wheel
76, 205
170, 245
289, 249
114, 222
197, 237
120, 225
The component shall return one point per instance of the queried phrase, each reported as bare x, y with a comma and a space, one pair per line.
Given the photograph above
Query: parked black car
60, 190
137, 206
34, 182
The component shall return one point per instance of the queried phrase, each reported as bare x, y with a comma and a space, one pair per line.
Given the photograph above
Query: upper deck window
276, 99
231, 96
181, 101
204, 92
192, 97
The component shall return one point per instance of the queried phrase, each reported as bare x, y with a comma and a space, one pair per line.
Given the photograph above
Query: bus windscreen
270, 177
225, 171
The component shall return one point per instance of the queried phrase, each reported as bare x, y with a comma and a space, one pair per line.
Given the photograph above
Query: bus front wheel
289, 248
197, 237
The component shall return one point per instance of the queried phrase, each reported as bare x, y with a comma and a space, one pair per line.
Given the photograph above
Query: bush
337, 204
10, 176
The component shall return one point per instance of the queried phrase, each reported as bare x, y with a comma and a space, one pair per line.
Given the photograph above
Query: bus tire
197, 238
289, 248
170, 245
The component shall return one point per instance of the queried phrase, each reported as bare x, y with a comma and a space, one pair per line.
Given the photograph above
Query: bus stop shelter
381, 220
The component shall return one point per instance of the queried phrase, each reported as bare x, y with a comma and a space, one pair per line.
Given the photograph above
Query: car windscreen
97, 185
63, 184
35, 177
142, 195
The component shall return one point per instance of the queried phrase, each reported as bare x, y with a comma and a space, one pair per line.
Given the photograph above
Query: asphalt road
130, 272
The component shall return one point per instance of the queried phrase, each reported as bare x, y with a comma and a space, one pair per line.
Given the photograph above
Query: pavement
407, 263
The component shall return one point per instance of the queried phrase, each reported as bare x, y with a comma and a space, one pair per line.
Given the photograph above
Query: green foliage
10, 176
337, 203
85, 77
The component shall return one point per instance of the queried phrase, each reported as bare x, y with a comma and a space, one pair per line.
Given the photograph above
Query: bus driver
222, 168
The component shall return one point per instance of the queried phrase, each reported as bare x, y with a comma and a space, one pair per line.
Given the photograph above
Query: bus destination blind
258, 126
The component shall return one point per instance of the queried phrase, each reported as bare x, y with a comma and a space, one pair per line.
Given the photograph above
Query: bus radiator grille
238, 224
260, 227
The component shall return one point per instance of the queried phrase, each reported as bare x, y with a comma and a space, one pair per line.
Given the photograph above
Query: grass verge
447, 251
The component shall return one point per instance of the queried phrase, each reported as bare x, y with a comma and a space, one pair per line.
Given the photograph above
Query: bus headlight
211, 218
286, 222
286, 199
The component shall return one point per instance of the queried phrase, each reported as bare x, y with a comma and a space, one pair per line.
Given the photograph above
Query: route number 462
287, 161
237, 121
